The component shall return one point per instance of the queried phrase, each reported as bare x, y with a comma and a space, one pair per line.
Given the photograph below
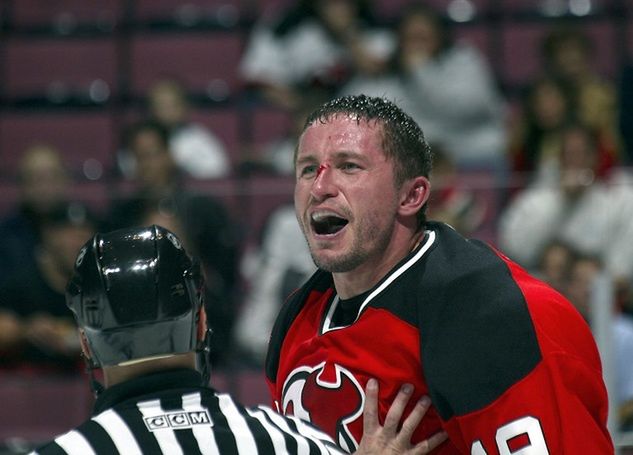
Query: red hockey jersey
508, 362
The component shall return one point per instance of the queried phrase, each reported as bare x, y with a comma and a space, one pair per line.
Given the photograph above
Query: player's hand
387, 440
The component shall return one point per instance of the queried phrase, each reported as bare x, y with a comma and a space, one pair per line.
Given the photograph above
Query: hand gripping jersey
510, 365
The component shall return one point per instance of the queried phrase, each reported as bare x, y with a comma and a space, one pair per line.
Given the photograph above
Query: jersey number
528, 427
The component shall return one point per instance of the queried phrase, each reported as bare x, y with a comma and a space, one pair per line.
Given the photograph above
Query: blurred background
186, 114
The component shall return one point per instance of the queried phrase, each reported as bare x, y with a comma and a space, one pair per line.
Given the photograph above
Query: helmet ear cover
136, 294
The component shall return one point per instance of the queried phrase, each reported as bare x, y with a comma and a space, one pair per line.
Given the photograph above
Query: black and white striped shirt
171, 413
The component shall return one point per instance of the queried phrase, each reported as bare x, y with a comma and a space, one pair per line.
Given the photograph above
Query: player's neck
367, 275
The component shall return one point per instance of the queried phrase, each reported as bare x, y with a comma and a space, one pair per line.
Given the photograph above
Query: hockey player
509, 364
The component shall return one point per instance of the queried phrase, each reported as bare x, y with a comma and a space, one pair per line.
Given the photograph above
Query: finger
412, 421
370, 409
426, 446
397, 408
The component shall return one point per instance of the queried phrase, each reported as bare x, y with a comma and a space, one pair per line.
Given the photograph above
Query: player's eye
307, 171
349, 166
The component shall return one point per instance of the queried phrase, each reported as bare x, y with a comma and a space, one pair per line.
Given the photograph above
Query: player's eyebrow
337, 156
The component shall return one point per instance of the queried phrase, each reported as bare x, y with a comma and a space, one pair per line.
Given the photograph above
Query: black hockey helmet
136, 294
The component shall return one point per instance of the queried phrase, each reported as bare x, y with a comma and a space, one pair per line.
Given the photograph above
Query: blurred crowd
541, 173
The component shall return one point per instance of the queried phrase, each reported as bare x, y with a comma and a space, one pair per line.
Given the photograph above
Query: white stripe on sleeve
237, 423
119, 432
203, 433
73, 443
276, 435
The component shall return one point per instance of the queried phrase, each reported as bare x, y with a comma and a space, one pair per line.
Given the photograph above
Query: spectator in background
36, 328
282, 264
314, 44
201, 221
43, 183
625, 111
535, 145
196, 149
592, 215
568, 54
554, 265
446, 86
453, 203
584, 269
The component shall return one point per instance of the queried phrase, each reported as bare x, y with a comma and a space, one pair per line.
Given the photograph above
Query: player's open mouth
327, 223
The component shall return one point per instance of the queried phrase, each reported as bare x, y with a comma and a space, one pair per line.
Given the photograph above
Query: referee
137, 299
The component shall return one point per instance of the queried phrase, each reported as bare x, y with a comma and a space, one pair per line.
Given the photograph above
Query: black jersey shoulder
320, 281
476, 333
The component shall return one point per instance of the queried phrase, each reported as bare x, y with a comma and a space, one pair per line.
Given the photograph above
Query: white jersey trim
327, 323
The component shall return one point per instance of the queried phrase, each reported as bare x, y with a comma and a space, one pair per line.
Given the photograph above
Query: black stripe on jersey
187, 441
291, 443
51, 449
99, 439
261, 435
224, 437
185, 437
134, 420
314, 448
477, 336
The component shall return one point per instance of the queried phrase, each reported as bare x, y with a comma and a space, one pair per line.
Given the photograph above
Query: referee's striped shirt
170, 413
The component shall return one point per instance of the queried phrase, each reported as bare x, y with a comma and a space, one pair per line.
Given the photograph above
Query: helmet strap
203, 352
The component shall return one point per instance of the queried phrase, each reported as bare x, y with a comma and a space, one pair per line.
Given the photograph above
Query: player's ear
413, 195
83, 342
202, 324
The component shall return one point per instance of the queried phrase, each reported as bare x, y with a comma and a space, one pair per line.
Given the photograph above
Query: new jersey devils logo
329, 396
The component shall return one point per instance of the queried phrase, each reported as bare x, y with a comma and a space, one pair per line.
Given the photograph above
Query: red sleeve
560, 406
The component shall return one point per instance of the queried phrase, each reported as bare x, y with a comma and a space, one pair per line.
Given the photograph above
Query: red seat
64, 15
84, 138
38, 409
269, 124
521, 59
392, 9
478, 36
532, 6
226, 12
262, 194
205, 62
59, 68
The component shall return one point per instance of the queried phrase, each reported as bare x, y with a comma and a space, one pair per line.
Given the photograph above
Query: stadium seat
273, 7
189, 13
37, 409
83, 137
64, 16
60, 70
392, 9
262, 195
553, 7
479, 36
205, 62
268, 124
